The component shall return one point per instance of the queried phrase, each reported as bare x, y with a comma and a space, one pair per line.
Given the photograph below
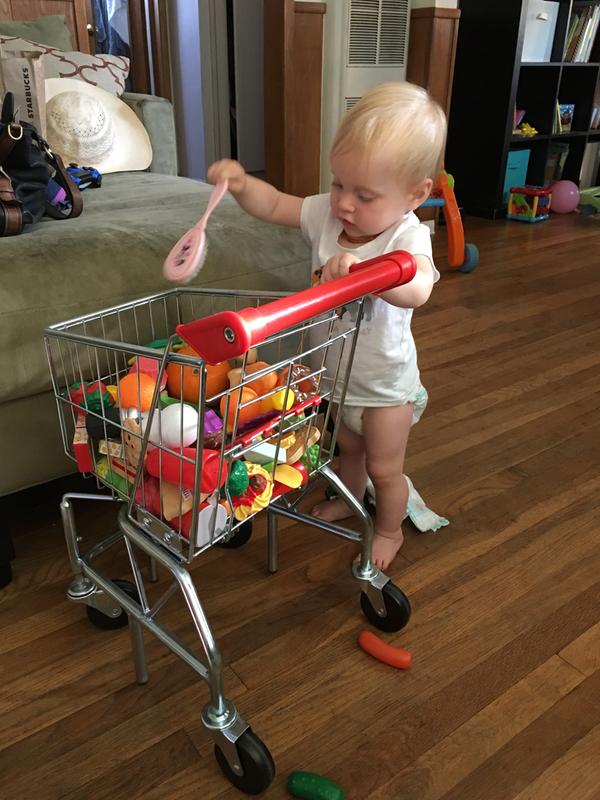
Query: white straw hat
91, 127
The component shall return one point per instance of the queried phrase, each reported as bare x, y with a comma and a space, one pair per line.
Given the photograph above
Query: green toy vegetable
310, 459
310, 786
238, 480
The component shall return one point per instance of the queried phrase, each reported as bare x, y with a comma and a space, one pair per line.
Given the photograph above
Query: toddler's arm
415, 293
257, 197
411, 295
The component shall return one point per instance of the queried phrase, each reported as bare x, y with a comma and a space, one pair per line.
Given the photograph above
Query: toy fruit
216, 378
276, 401
376, 647
263, 384
310, 786
136, 391
246, 413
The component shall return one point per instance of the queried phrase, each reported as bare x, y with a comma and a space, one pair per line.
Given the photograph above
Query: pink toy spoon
187, 257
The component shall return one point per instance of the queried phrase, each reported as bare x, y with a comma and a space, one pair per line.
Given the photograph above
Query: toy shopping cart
197, 409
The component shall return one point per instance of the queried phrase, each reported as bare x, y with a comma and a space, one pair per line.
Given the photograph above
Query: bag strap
13, 218
8, 139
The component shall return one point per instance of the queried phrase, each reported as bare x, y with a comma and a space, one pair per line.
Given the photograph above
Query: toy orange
264, 384
246, 413
216, 378
136, 391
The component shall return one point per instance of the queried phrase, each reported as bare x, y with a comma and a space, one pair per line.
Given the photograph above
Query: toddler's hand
229, 170
338, 266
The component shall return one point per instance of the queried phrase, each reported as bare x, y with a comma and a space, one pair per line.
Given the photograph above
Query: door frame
215, 79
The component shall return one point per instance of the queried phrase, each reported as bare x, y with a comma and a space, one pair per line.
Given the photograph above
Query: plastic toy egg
136, 391
178, 426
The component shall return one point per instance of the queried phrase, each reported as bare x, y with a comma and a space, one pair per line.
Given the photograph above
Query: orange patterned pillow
106, 71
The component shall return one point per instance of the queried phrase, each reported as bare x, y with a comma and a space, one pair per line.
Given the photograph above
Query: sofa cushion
51, 30
114, 252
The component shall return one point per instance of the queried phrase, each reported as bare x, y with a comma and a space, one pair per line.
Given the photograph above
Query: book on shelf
565, 116
595, 120
581, 33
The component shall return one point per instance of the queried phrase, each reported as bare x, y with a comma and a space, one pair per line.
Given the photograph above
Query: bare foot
385, 548
332, 510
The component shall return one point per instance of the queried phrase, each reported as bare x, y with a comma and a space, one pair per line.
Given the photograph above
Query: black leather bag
26, 166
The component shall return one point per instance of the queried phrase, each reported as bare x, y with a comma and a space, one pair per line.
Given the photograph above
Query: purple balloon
565, 196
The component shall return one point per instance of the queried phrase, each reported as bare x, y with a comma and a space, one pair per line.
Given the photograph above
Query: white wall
184, 34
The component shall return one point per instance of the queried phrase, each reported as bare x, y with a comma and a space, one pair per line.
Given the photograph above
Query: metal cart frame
96, 346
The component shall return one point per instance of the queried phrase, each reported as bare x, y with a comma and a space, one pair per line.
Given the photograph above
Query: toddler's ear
420, 193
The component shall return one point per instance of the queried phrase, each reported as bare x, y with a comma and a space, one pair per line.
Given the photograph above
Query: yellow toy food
277, 401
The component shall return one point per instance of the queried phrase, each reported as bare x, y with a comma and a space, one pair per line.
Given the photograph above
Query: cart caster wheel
239, 537
397, 606
106, 623
471, 258
257, 763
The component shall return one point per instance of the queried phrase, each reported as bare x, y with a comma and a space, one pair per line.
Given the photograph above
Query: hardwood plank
545, 740
575, 774
584, 652
429, 776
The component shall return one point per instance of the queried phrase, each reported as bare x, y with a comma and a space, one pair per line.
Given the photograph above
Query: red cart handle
230, 334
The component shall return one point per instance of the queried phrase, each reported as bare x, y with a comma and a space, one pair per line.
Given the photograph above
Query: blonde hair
402, 121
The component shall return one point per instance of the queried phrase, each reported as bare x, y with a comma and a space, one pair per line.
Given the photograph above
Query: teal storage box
516, 171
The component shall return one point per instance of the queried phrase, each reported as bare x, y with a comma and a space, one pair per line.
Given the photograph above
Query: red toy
171, 467
387, 653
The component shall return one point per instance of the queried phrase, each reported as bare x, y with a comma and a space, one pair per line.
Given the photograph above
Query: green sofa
113, 253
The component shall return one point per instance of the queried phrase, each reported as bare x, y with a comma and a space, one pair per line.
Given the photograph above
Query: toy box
529, 203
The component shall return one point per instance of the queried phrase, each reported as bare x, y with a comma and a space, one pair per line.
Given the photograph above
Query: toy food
302, 386
216, 378
310, 786
91, 395
291, 475
277, 400
256, 496
238, 480
213, 430
132, 442
149, 366
305, 438
176, 425
310, 459
260, 385
246, 413
171, 468
387, 653
251, 357
136, 390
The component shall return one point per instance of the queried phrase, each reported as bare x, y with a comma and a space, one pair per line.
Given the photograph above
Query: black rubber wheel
397, 606
257, 763
100, 620
239, 538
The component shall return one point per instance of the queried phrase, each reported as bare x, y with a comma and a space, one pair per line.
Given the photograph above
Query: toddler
385, 156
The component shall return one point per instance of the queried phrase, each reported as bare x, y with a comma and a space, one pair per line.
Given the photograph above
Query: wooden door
77, 13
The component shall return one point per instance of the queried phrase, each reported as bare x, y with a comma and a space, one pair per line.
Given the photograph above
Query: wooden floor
503, 699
